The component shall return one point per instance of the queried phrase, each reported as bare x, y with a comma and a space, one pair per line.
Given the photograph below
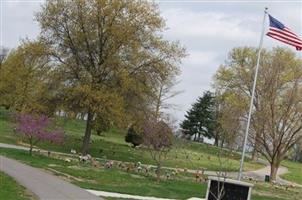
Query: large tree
111, 54
201, 119
276, 119
27, 80
235, 79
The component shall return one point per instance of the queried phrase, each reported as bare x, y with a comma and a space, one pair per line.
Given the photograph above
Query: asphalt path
44, 185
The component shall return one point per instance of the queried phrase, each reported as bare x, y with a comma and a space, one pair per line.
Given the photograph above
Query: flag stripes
283, 34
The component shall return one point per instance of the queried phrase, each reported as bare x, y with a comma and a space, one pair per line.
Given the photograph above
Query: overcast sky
208, 30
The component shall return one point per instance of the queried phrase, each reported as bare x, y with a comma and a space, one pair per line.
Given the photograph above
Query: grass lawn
266, 191
295, 171
115, 180
112, 180
10, 190
111, 145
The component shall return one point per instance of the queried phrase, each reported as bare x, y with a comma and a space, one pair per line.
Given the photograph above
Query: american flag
280, 32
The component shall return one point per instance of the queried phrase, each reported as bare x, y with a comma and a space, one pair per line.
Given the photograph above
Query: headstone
267, 178
231, 189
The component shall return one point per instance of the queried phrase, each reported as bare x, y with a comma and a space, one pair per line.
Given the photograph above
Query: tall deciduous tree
110, 52
276, 119
26, 83
201, 119
236, 81
3, 55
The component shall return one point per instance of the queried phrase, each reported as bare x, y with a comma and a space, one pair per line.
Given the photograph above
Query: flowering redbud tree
38, 128
157, 136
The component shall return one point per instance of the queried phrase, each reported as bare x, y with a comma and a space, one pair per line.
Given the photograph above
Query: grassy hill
182, 186
294, 171
111, 145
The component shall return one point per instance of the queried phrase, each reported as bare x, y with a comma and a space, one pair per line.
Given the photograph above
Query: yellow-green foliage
25, 78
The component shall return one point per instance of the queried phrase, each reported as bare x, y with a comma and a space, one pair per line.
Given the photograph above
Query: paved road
257, 175
45, 186
260, 174
12, 146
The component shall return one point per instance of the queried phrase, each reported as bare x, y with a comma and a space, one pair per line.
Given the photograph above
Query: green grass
267, 191
294, 171
115, 180
10, 190
127, 183
111, 145
6, 127
256, 197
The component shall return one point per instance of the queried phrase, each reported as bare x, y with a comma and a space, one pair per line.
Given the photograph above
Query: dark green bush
133, 137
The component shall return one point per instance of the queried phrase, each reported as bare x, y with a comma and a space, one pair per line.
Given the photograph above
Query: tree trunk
216, 138
222, 143
195, 137
216, 141
30, 146
30, 150
254, 155
274, 170
158, 104
86, 140
158, 173
256, 146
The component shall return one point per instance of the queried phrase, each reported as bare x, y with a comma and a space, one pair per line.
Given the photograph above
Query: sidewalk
128, 196
45, 186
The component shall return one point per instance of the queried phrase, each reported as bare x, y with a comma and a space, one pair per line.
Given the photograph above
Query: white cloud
204, 25
200, 58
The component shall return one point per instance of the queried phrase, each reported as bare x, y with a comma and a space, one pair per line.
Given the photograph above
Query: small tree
201, 119
157, 137
36, 129
101, 124
133, 137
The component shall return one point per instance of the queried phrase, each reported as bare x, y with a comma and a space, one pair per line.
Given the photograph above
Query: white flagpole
252, 98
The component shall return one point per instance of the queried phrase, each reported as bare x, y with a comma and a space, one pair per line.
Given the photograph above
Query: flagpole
252, 98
